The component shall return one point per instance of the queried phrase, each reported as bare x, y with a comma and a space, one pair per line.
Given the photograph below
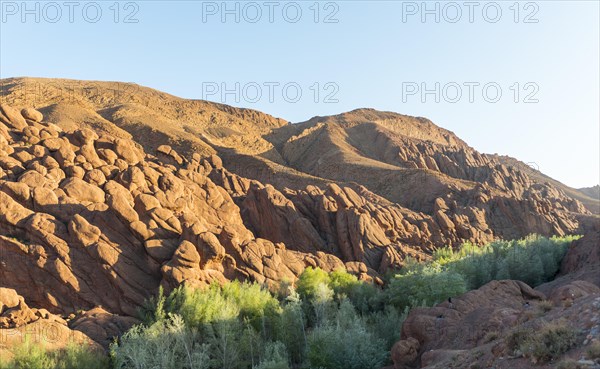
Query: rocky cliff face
90, 220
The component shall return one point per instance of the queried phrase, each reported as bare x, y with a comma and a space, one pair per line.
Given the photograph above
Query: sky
513, 78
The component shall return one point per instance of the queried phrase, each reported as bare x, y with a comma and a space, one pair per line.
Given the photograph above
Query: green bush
199, 307
35, 356
233, 344
533, 260
342, 282
252, 299
290, 328
165, 344
387, 324
367, 298
426, 285
274, 357
309, 281
77, 356
570, 364
549, 342
345, 344
516, 338
593, 351
544, 343
31, 356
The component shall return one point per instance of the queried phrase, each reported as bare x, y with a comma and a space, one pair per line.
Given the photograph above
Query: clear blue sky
374, 52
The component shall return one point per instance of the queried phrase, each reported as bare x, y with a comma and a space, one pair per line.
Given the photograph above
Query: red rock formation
92, 220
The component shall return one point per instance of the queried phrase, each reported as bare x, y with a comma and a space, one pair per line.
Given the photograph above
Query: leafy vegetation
329, 320
533, 260
242, 325
542, 344
34, 355
593, 351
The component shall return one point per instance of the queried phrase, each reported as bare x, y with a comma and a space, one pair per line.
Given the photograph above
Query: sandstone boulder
82, 191
11, 117
32, 114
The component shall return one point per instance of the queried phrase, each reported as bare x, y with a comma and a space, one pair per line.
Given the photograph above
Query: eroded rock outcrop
91, 220
19, 322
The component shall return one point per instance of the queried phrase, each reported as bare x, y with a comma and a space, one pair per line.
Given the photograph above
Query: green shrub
569, 364
309, 281
252, 299
387, 324
593, 351
290, 328
345, 344
35, 356
77, 356
490, 336
367, 298
533, 260
322, 303
275, 357
342, 282
427, 285
515, 339
201, 306
549, 342
232, 344
165, 344
31, 356
545, 306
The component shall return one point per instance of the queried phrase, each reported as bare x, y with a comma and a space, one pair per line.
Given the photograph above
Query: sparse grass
516, 338
477, 354
490, 336
568, 364
35, 356
593, 351
549, 341
545, 306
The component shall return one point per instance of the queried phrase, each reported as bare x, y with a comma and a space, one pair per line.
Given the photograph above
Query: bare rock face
19, 322
357, 225
405, 352
583, 253
418, 185
464, 322
275, 217
101, 326
91, 221
14, 312
337, 220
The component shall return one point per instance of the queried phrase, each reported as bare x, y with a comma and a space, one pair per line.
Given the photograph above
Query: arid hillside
593, 192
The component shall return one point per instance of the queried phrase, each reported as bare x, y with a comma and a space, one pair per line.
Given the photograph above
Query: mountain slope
587, 196
593, 192
387, 158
